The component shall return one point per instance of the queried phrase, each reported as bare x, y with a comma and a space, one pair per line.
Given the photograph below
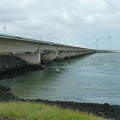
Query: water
93, 78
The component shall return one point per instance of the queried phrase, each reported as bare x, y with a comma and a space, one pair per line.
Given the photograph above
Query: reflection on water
93, 78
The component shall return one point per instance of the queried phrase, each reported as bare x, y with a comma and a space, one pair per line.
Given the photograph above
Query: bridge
37, 51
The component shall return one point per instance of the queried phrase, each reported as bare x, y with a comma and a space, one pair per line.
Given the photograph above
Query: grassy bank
35, 111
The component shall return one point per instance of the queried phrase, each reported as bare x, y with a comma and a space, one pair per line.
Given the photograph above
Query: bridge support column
31, 58
49, 55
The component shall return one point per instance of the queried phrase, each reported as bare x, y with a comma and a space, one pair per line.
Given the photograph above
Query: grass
35, 111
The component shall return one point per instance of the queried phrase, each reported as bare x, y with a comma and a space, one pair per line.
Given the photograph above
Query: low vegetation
36, 111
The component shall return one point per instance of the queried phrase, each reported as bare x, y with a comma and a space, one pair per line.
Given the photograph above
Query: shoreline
111, 112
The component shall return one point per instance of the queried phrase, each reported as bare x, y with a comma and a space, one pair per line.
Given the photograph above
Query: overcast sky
77, 22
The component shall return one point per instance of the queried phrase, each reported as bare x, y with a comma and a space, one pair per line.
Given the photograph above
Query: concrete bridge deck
37, 51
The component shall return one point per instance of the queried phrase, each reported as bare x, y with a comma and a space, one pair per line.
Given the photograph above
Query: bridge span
36, 51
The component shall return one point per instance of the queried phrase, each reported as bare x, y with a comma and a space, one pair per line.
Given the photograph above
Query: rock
6, 95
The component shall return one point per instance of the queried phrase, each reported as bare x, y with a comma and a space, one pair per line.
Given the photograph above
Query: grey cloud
10, 11
60, 20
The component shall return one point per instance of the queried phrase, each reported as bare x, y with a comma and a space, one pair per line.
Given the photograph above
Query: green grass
35, 111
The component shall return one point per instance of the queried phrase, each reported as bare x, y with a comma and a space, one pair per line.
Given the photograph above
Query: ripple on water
93, 78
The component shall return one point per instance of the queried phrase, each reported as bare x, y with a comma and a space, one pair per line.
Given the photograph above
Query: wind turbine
109, 37
96, 43
4, 29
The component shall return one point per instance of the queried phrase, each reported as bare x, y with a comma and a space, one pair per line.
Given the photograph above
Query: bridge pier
31, 58
49, 55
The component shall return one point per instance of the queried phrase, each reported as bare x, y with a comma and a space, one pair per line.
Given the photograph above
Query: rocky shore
11, 66
6, 95
111, 112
